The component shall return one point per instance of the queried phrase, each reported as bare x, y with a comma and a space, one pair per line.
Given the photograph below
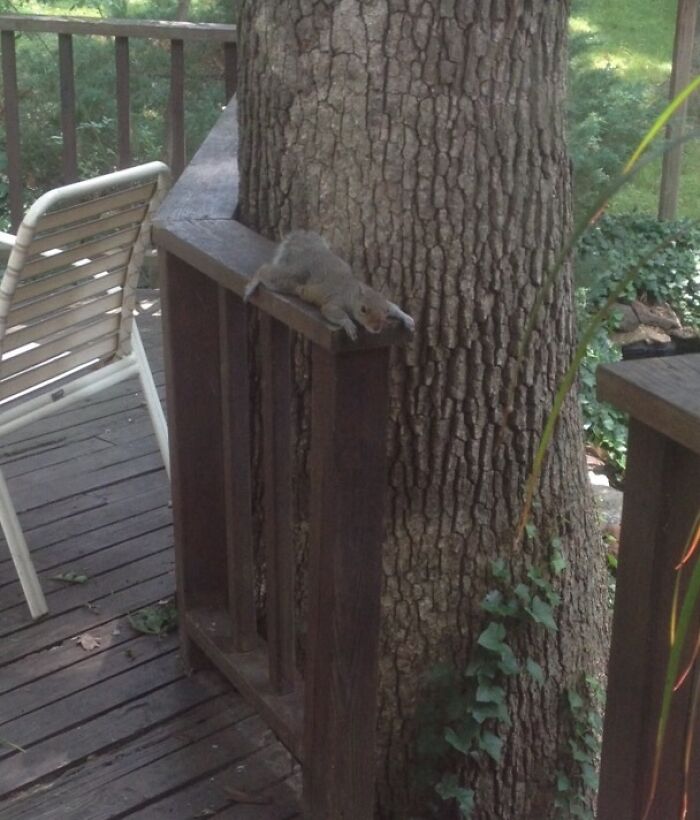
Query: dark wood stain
660, 505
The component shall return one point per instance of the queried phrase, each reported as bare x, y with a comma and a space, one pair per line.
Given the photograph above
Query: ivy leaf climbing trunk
425, 140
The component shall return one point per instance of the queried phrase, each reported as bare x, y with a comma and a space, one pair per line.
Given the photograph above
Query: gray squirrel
305, 266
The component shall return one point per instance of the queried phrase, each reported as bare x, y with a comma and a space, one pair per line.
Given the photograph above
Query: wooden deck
117, 730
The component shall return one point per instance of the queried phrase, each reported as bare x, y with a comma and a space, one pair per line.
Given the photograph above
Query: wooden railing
328, 719
122, 31
662, 494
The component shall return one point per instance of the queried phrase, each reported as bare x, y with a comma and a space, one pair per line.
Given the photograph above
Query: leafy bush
607, 115
605, 253
605, 425
608, 249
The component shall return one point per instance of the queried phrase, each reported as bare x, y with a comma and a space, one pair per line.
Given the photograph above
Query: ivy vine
464, 710
584, 704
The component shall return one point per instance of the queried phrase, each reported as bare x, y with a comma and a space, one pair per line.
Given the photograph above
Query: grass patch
635, 37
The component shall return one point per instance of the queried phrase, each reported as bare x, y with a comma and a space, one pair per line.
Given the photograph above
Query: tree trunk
425, 140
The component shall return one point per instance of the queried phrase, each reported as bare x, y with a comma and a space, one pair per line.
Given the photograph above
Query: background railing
122, 32
327, 719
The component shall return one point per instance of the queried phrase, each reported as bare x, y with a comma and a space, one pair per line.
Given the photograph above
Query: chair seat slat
121, 239
50, 304
75, 274
95, 227
48, 326
56, 369
107, 325
103, 204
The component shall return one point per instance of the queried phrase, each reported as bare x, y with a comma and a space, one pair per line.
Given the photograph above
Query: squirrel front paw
350, 329
408, 323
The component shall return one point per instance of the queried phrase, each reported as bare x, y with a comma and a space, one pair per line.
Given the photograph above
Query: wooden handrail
122, 31
207, 258
663, 393
147, 29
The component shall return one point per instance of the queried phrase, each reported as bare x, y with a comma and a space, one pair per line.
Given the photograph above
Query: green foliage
37, 66
606, 115
158, 619
575, 786
10, 745
672, 276
463, 709
605, 425
70, 577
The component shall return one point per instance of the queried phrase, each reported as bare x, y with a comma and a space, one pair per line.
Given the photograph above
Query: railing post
176, 109
121, 59
683, 50
230, 69
348, 479
68, 127
12, 134
660, 505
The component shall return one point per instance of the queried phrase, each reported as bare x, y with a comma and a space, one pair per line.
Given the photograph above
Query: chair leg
20, 554
150, 393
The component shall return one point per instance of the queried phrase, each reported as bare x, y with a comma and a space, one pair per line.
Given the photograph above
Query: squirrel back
305, 266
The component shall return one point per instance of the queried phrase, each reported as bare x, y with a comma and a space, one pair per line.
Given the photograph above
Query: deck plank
120, 730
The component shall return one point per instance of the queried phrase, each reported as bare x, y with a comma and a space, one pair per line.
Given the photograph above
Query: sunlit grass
636, 37
75, 9
200, 10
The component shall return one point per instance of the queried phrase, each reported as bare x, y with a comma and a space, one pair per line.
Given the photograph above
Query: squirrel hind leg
262, 276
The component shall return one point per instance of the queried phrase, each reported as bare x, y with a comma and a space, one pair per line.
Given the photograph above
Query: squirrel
305, 266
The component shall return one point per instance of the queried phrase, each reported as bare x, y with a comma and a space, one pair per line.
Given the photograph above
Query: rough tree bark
425, 139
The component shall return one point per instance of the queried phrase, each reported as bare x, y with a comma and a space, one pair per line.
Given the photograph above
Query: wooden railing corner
207, 258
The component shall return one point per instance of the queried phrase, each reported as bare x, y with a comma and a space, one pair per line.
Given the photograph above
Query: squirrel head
370, 309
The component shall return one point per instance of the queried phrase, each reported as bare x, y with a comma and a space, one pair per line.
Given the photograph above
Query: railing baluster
230, 69
235, 394
176, 108
191, 312
122, 31
277, 397
68, 128
12, 135
121, 56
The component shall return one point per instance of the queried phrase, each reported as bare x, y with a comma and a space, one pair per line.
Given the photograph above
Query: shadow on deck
117, 730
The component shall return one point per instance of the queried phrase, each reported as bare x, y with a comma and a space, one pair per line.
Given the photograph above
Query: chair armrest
7, 239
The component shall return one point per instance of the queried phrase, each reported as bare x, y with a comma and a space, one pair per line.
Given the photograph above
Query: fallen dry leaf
237, 796
88, 642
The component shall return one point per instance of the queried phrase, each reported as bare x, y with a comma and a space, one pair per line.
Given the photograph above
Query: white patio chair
66, 314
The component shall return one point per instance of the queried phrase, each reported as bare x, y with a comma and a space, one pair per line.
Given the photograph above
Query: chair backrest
67, 295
